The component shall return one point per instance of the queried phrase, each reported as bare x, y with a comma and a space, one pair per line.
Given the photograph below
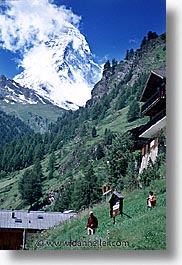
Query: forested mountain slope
11, 127
27, 105
73, 158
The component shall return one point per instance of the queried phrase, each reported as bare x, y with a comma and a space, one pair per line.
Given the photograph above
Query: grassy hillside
66, 158
37, 116
71, 139
146, 230
75, 162
117, 122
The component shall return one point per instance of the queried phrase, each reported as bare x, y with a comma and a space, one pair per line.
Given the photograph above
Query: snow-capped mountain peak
62, 69
11, 92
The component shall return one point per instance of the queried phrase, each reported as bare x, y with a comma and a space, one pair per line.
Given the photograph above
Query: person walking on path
92, 224
151, 200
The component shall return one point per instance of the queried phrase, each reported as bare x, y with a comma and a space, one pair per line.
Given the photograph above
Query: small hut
116, 204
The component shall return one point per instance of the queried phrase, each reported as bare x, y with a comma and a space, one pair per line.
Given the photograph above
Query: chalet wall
11, 239
154, 98
149, 153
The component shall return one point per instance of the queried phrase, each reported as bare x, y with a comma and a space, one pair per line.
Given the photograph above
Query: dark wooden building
154, 99
17, 226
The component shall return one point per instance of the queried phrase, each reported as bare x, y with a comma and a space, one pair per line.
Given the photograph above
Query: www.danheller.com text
82, 243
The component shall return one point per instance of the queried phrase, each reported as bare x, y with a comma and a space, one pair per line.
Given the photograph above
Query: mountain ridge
12, 92
68, 72
24, 103
84, 137
128, 70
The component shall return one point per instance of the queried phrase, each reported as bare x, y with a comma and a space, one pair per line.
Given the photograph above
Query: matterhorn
66, 73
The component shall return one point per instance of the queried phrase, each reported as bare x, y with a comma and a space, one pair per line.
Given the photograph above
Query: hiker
151, 200
92, 224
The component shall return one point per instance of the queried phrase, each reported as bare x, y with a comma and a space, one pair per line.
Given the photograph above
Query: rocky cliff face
151, 56
12, 92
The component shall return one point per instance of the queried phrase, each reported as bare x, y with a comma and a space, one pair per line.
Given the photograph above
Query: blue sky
113, 26
110, 27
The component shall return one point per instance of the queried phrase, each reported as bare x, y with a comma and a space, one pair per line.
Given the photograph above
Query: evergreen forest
85, 148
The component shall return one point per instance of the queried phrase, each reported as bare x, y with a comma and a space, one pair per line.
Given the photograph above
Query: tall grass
146, 230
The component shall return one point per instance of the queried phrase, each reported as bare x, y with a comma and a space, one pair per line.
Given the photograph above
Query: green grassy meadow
34, 115
117, 122
146, 230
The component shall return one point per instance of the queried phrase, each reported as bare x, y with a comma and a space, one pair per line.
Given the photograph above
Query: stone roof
32, 220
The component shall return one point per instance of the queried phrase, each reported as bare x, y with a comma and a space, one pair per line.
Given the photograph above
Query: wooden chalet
17, 226
154, 98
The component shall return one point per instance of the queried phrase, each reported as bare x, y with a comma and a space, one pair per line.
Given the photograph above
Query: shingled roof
117, 194
32, 220
155, 77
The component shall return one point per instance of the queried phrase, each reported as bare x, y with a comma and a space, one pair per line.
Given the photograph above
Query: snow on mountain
61, 70
11, 92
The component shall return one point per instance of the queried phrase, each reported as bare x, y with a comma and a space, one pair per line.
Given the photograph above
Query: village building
154, 98
17, 226
146, 137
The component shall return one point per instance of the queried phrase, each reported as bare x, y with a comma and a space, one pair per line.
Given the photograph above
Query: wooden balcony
154, 125
152, 106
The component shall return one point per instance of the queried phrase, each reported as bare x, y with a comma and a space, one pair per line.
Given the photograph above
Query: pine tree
38, 151
108, 137
94, 132
99, 152
78, 199
131, 52
64, 200
36, 186
114, 65
144, 41
37, 170
107, 67
86, 191
151, 35
127, 55
91, 189
30, 186
134, 111
26, 187
131, 179
95, 113
83, 130
121, 101
51, 165
118, 156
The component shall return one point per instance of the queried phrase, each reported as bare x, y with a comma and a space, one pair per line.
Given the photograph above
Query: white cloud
40, 64
27, 23
25, 27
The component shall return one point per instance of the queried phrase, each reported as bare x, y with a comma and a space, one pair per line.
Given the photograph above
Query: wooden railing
149, 102
158, 117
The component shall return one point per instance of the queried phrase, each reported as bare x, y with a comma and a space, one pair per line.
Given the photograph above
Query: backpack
153, 200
